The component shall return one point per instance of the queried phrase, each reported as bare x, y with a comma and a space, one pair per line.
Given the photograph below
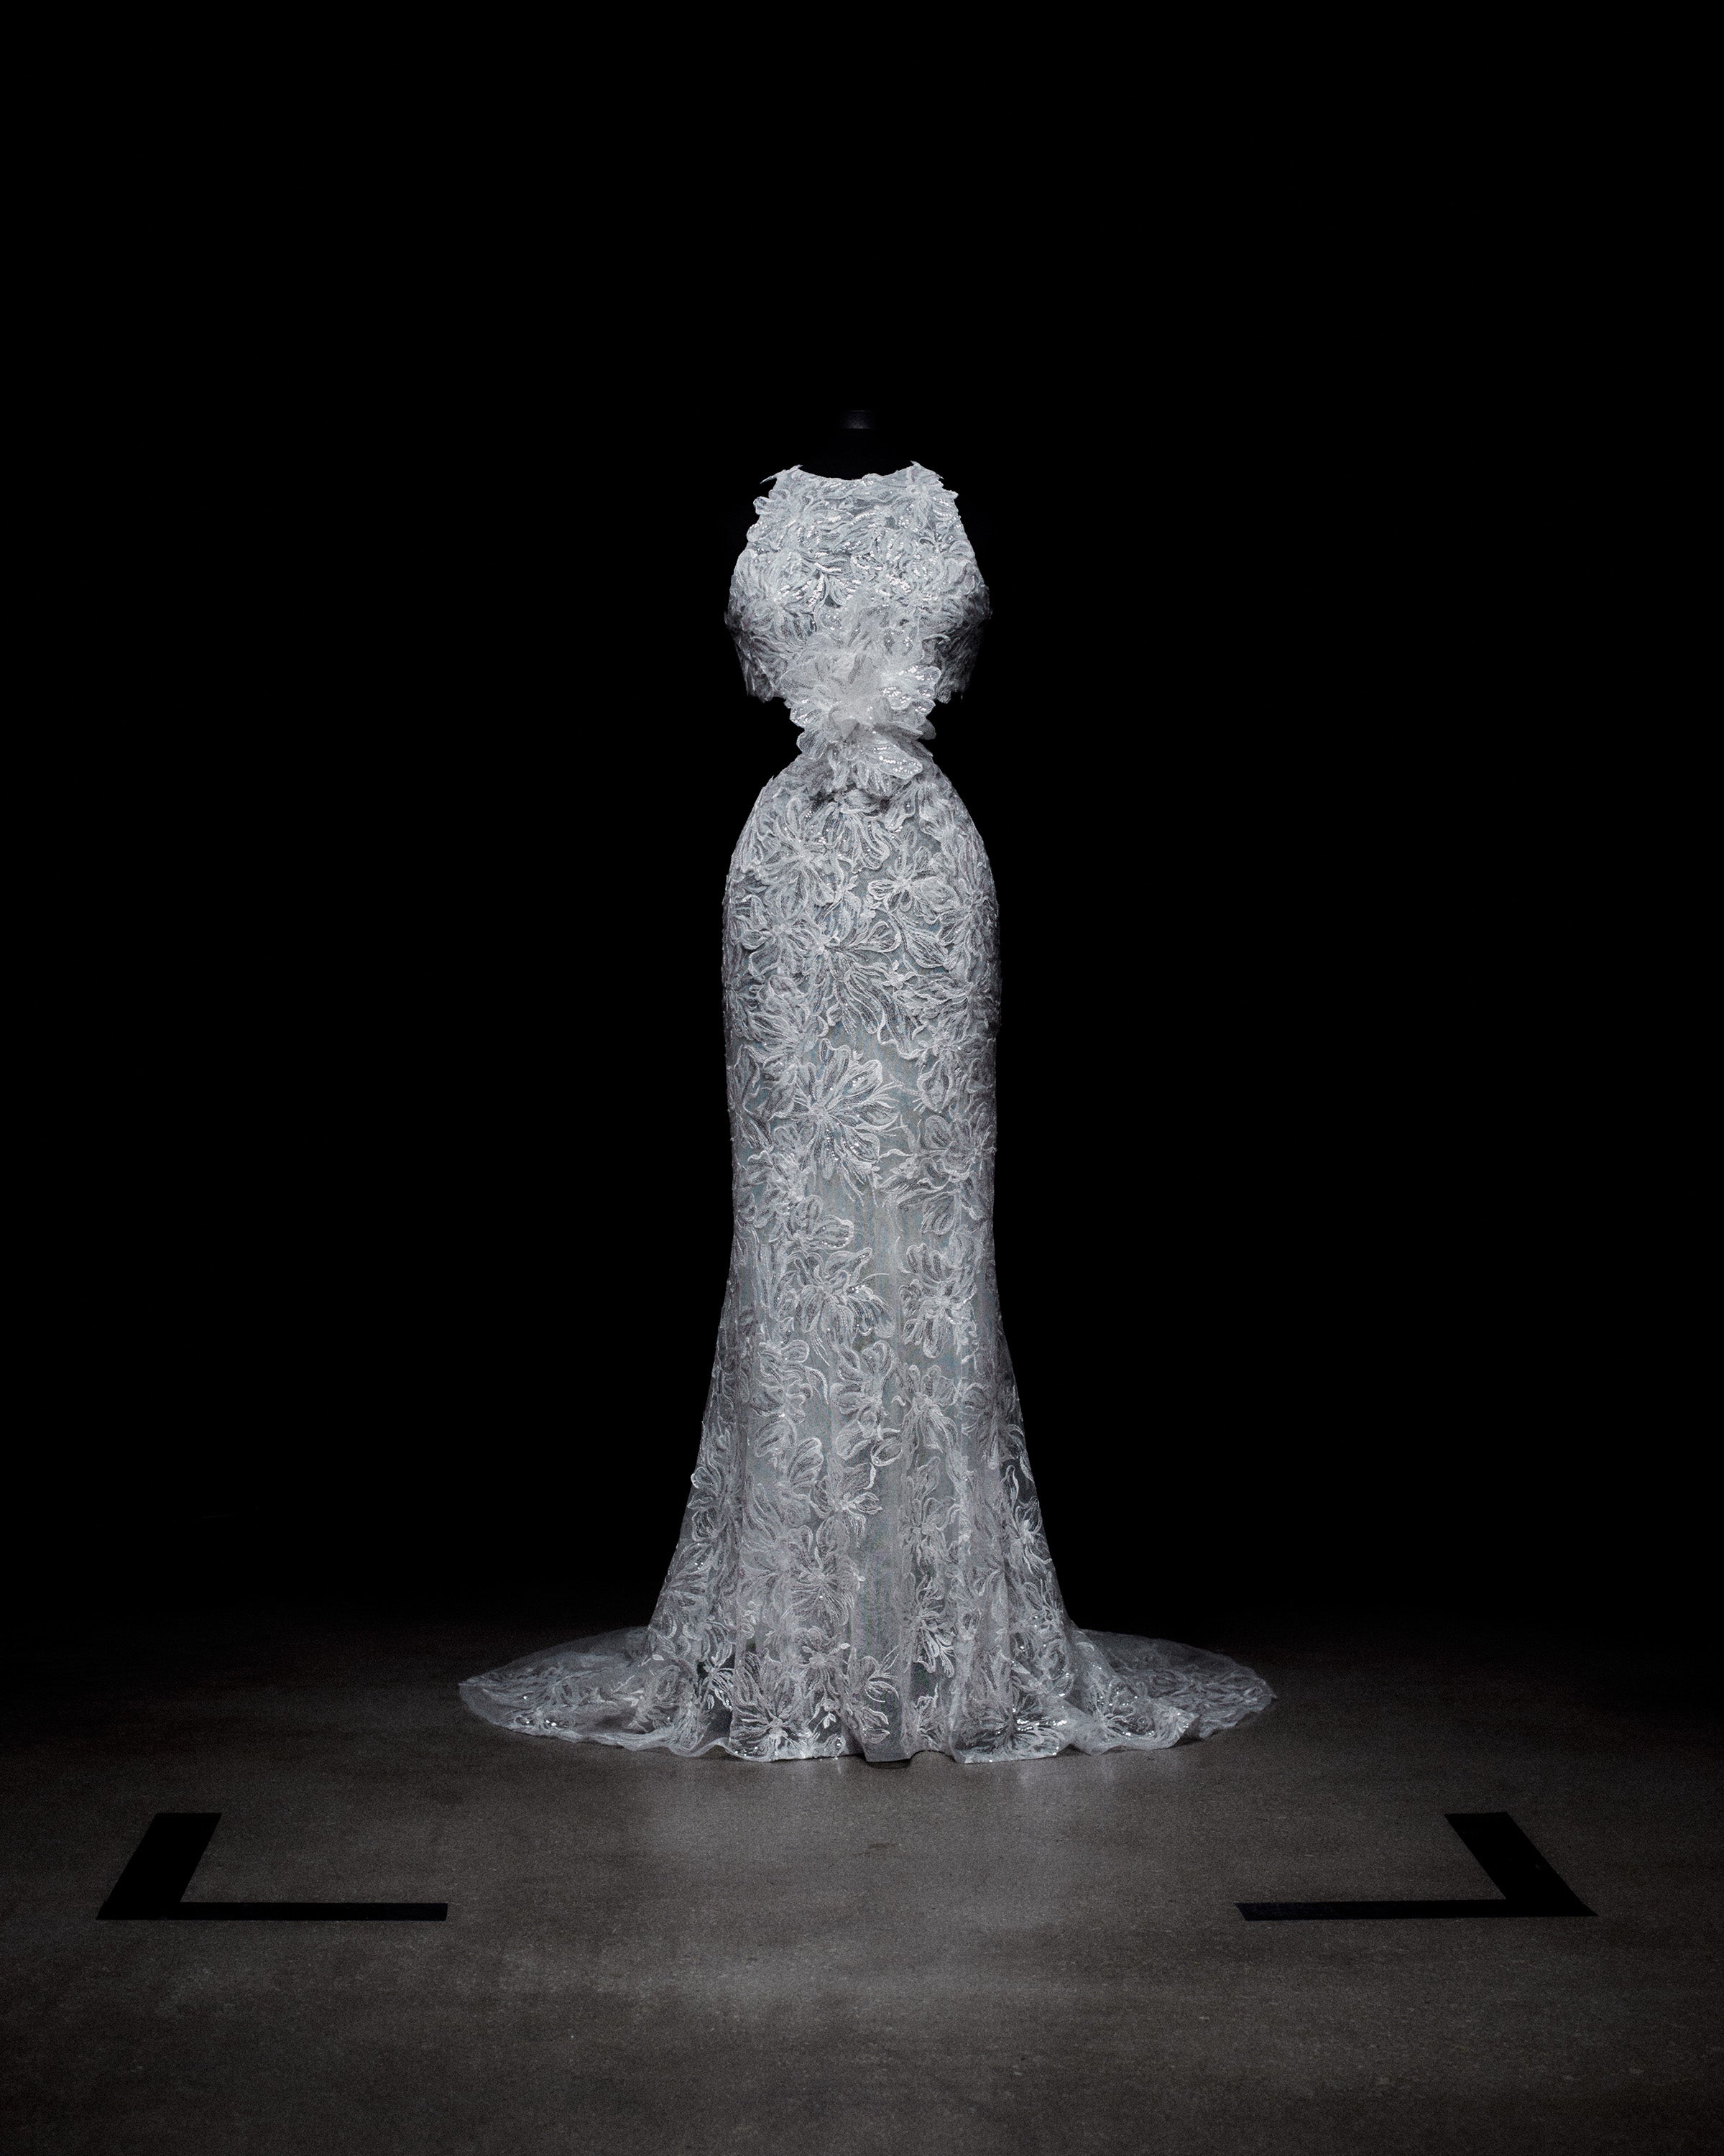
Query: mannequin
859, 444
862, 1567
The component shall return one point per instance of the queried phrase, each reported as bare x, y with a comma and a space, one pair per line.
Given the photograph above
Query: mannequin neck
857, 446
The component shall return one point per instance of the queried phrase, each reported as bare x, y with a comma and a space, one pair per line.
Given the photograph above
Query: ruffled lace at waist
860, 692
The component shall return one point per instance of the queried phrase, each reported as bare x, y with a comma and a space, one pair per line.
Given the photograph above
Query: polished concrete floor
654, 1955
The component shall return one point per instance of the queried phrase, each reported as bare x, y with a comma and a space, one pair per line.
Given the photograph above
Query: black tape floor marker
160, 1871
1529, 1886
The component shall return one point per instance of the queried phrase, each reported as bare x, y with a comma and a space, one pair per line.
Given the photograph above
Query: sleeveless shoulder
860, 603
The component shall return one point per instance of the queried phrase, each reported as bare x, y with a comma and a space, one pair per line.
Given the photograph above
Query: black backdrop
405, 749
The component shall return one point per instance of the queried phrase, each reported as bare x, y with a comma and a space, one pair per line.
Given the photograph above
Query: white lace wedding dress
862, 1566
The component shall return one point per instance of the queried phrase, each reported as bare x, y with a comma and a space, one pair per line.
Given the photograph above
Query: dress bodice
859, 602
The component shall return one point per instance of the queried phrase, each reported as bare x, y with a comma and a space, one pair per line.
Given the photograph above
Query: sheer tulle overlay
862, 1566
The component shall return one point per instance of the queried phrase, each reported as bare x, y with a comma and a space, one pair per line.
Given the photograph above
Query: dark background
403, 751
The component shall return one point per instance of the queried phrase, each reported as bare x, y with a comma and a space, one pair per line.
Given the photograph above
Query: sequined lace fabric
862, 1566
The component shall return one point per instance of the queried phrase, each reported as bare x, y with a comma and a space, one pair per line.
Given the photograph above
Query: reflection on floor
648, 1954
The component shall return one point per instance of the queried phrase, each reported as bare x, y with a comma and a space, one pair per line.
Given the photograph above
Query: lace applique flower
860, 692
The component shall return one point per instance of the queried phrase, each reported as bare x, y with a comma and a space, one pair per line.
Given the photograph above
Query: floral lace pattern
861, 604
862, 1565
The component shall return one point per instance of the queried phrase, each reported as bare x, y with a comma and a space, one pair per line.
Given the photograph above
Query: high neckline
825, 478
